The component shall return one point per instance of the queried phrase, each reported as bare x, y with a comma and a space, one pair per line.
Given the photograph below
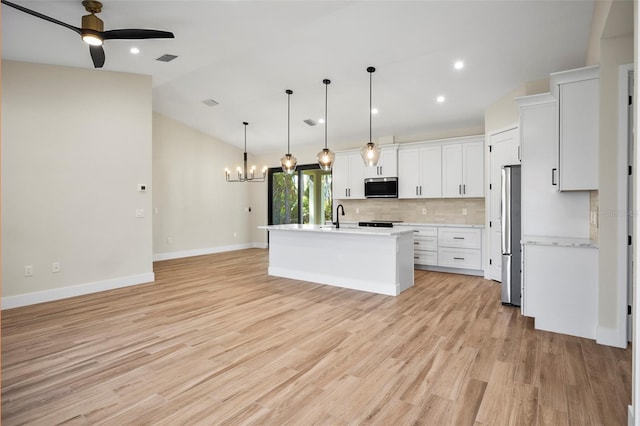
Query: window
301, 197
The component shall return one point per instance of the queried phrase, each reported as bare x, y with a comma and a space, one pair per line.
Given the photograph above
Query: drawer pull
458, 238
458, 258
415, 243
416, 257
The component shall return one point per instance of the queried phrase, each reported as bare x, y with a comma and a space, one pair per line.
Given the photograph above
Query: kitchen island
377, 260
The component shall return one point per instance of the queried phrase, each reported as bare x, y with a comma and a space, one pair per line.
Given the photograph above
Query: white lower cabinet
559, 288
444, 247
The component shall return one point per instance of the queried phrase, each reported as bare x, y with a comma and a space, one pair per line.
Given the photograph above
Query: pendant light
288, 161
326, 157
370, 152
247, 176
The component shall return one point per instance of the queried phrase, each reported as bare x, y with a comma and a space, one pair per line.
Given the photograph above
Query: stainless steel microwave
386, 187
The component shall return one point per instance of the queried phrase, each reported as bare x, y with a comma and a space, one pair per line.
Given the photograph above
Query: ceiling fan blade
131, 34
97, 55
41, 16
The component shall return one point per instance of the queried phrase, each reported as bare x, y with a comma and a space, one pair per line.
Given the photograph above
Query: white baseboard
203, 251
9, 302
611, 337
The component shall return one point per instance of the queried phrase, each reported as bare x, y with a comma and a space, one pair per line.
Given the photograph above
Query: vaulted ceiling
244, 54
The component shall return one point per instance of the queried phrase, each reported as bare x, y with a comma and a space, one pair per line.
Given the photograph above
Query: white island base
375, 260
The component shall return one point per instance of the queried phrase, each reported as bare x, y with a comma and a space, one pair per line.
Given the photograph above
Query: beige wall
195, 210
70, 171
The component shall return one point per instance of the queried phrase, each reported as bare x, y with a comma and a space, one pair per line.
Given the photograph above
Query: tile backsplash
441, 210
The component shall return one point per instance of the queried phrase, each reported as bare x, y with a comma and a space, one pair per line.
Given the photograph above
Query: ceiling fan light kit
92, 30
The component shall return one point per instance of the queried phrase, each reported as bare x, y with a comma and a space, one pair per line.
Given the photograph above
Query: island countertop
377, 260
363, 230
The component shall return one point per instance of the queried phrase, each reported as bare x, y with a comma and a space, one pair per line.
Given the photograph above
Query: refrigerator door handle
505, 210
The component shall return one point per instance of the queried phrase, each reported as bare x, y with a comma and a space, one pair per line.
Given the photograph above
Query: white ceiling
244, 54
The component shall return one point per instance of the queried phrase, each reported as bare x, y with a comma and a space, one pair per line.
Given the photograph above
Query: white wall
75, 142
614, 52
195, 210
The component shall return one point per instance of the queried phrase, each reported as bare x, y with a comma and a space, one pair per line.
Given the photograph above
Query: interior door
505, 150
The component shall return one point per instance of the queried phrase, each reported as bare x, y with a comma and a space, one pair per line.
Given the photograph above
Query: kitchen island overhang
377, 260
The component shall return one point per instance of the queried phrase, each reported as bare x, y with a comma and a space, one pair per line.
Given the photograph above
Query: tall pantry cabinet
559, 262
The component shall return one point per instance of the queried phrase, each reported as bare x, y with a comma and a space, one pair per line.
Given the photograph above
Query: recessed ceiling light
134, 50
440, 99
374, 110
458, 65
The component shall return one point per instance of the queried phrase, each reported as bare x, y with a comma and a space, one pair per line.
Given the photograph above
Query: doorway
302, 197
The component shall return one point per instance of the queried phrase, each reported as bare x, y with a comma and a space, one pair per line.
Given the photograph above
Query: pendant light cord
326, 96
245, 135
370, 103
289, 92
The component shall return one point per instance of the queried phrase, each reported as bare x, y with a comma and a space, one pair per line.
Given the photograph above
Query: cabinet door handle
420, 189
416, 190
460, 189
458, 258
464, 188
416, 257
458, 238
553, 177
415, 243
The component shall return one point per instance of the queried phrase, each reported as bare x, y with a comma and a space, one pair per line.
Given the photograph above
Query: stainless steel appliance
511, 225
386, 187
379, 223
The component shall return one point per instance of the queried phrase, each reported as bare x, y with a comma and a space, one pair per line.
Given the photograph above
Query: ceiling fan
92, 29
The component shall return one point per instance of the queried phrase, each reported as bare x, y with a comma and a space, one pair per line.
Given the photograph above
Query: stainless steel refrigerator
511, 225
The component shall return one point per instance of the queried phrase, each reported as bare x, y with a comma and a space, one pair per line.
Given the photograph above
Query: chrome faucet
337, 222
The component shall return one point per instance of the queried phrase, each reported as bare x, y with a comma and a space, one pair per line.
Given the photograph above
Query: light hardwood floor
215, 340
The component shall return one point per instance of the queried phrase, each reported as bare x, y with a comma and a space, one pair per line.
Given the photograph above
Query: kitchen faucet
337, 222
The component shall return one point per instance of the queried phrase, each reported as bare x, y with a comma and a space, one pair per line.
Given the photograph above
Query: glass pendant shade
325, 159
288, 163
370, 154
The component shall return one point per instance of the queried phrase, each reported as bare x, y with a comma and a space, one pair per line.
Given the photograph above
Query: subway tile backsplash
445, 210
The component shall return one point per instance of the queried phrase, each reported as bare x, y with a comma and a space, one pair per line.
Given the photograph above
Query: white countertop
440, 225
558, 241
361, 230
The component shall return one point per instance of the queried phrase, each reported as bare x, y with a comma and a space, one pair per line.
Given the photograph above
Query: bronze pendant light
326, 157
370, 152
288, 161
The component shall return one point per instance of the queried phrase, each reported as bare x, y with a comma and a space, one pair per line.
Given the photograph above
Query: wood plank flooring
215, 340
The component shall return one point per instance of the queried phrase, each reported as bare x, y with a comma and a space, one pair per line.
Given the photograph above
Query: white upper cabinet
578, 95
387, 164
463, 170
348, 174
420, 172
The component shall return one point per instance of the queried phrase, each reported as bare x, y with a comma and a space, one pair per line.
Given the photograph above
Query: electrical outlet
55, 267
424, 211
139, 212
357, 210
28, 271
464, 212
